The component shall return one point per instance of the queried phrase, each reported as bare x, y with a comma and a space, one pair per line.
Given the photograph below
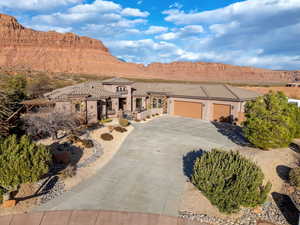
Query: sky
260, 33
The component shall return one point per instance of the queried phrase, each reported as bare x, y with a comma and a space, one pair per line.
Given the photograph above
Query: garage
188, 109
221, 112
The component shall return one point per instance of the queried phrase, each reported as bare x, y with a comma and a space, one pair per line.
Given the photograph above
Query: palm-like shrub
229, 180
21, 161
269, 123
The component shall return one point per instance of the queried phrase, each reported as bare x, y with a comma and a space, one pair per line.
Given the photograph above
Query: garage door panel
188, 109
221, 112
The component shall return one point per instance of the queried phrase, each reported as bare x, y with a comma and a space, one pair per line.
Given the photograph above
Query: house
118, 97
295, 84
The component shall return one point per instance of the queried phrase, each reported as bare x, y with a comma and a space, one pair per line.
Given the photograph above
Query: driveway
146, 175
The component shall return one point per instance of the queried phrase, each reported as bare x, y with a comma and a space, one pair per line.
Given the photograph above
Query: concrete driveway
146, 175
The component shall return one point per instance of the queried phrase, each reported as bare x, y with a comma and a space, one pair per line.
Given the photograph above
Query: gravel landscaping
269, 213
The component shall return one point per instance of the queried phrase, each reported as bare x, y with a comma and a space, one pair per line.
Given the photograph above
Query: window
121, 89
154, 103
138, 103
77, 107
109, 104
160, 103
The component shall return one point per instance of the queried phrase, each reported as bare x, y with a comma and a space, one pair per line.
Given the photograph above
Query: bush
295, 115
106, 121
137, 121
120, 129
229, 180
87, 143
294, 176
123, 122
269, 122
148, 117
157, 114
22, 161
107, 137
74, 139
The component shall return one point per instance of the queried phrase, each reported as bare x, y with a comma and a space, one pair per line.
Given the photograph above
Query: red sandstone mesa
22, 48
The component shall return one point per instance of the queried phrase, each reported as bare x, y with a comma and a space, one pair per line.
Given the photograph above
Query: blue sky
261, 33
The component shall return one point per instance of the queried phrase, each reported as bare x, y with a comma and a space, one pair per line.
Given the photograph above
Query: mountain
26, 49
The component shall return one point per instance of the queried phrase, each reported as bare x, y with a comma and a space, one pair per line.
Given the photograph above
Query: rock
9, 204
257, 210
29, 50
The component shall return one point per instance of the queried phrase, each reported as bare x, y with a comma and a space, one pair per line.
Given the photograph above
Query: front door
122, 103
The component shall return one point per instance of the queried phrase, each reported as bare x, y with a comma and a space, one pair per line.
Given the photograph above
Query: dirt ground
275, 164
291, 92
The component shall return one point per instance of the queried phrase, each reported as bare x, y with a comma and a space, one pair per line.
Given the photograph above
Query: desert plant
74, 139
148, 117
106, 120
50, 123
107, 137
229, 180
295, 115
87, 143
294, 177
120, 129
157, 114
69, 171
269, 123
22, 161
137, 120
123, 122
153, 115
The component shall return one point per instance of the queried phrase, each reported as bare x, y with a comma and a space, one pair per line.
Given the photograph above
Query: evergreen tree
21, 161
229, 180
269, 123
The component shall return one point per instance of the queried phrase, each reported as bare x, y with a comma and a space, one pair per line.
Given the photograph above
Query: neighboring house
117, 96
295, 101
295, 84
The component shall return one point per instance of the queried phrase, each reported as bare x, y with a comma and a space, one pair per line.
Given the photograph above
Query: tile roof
117, 80
96, 90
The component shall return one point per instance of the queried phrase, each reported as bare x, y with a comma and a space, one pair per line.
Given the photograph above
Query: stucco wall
236, 107
63, 107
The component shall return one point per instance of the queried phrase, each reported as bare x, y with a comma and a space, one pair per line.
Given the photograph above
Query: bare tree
49, 124
5, 112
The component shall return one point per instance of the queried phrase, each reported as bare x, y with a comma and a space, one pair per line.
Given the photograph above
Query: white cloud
98, 6
50, 28
35, 5
134, 12
156, 30
176, 5
245, 10
139, 2
184, 32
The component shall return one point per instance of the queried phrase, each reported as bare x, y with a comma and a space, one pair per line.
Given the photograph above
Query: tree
39, 86
269, 123
295, 115
21, 161
15, 89
49, 124
5, 112
229, 180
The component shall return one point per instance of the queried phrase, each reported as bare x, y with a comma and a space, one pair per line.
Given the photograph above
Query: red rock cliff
23, 48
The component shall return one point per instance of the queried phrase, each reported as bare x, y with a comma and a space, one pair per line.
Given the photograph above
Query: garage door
188, 109
222, 113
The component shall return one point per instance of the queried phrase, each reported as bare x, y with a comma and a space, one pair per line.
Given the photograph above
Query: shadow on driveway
189, 161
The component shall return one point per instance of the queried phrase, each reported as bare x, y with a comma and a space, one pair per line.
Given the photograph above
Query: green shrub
120, 129
107, 137
157, 114
148, 117
87, 143
2, 192
295, 115
106, 120
294, 176
137, 121
74, 139
123, 122
269, 123
22, 161
229, 180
